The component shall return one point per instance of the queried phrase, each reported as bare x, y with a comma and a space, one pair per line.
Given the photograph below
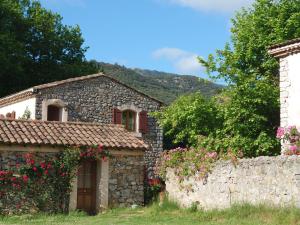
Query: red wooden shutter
13, 115
117, 116
143, 122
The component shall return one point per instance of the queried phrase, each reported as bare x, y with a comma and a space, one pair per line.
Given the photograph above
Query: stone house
94, 109
288, 54
95, 98
117, 181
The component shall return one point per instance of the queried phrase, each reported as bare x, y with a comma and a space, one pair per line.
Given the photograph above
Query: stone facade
120, 179
267, 180
9, 159
285, 85
288, 55
126, 181
93, 100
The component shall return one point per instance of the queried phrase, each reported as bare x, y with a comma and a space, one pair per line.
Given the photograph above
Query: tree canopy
36, 47
249, 106
188, 118
251, 115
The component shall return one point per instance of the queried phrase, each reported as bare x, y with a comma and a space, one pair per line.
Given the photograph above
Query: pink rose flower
293, 148
280, 132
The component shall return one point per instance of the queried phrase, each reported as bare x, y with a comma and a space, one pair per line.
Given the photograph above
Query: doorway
86, 187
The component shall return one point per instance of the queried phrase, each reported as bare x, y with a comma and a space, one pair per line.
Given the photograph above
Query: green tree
251, 114
35, 47
188, 118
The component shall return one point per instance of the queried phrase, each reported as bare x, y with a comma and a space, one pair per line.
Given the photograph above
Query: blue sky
164, 35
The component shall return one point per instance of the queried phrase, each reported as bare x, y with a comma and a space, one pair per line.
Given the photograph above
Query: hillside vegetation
166, 87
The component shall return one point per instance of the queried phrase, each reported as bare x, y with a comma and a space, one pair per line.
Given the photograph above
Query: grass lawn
168, 214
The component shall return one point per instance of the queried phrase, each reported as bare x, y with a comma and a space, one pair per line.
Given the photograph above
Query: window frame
128, 111
58, 103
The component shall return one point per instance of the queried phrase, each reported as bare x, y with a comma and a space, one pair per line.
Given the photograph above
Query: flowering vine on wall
196, 162
42, 182
290, 137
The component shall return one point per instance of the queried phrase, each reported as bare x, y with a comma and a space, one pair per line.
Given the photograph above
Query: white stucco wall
20, 108
294, 90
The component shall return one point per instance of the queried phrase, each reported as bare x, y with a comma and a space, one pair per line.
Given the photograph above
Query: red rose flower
25, 178
43, 165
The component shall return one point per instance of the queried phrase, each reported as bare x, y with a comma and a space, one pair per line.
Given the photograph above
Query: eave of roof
31, 91
286, 48
45, 133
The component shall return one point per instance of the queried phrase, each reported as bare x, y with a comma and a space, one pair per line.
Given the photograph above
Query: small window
128, 120
54, 113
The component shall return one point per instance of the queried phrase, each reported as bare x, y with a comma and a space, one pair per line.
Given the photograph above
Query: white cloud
184, 62
212, 5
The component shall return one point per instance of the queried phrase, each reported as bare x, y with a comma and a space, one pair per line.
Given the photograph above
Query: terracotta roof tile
289, 42
36, 132
286, 48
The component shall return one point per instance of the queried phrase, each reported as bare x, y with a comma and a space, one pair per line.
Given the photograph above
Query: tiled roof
37, 132
289, 42
17, 97
30, 92
286, 48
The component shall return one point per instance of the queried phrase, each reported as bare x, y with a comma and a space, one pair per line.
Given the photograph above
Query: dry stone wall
267, 180
126, 181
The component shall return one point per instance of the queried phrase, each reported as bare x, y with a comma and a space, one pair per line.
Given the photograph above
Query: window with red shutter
143, 122
117, 116
128, 120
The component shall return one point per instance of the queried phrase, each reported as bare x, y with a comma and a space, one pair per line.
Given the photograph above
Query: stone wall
289, 92
268, 180
10, 159
126, 181
284, 91
93, 100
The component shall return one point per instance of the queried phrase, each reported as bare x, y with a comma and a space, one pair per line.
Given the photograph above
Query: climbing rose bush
290, 136
196, 162
42, 182
186, 162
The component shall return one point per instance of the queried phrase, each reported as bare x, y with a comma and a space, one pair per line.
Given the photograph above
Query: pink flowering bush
290, 136
186, 162
42, 182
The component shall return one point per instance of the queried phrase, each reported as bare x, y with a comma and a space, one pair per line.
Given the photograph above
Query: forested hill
163, 86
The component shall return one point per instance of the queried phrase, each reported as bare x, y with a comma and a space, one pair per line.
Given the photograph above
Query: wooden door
86, 187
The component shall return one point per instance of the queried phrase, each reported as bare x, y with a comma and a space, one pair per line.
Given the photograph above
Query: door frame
101, 187
93, 186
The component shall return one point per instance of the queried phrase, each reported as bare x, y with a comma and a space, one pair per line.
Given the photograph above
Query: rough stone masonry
266, 180
93, 100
